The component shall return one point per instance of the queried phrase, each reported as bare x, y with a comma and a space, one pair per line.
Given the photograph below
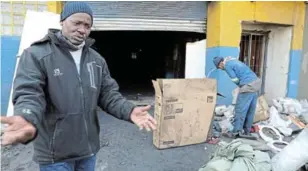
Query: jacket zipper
82, 94
84, 118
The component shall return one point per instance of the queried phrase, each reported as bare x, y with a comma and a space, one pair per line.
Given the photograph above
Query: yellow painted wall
55, 6
224, 19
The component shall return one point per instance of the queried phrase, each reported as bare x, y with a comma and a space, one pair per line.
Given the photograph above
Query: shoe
231, 135
247, 136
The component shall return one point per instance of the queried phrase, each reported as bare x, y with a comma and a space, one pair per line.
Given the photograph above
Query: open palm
141, 117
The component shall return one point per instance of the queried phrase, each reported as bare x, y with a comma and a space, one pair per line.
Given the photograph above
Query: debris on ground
279, 128
261, 110
295, 152
236, 156
288, 106
223, 119
213, 140
269, 133
256, 145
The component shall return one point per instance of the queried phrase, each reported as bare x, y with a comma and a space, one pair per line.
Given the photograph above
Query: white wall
31, 34
195, 59
277, 58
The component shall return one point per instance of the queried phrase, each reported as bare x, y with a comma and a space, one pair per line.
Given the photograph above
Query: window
252, 52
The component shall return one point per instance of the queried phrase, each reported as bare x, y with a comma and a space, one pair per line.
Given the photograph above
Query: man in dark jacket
59, 83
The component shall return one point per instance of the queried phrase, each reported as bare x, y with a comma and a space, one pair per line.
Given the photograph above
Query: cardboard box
184, 110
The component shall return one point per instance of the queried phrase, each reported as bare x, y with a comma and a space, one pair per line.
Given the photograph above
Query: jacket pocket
94, 74
70, 137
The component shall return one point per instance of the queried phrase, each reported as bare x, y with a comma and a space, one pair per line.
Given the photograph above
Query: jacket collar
51, 37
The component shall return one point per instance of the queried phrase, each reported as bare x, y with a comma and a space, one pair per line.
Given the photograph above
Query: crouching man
246, 103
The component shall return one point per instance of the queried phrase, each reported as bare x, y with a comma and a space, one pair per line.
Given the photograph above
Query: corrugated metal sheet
159, 15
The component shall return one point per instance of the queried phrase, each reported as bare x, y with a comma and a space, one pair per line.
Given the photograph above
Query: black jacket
60, 103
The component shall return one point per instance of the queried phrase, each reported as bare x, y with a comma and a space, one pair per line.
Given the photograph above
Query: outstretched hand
18, 130
141, 117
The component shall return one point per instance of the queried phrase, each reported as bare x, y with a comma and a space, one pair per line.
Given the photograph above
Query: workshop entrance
135, 58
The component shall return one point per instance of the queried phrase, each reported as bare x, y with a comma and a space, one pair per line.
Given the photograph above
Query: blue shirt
237, 69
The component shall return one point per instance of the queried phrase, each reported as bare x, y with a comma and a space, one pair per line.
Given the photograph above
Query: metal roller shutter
187, 16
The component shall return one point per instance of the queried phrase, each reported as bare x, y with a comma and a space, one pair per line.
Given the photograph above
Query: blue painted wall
224, 85
9, 50
294, 73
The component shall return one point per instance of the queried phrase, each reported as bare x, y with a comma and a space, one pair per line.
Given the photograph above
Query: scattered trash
296, 121
220, 110
277, 125
212, 141
229, 113
269, 133
255, 128
288, 106
256, 145
295, 152
277, 145
225, 126
218, 118
236, 156
216, 129
277, 122
223, 119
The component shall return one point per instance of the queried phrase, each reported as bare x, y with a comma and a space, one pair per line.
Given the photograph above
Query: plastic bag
276, 121
229, 113
226, 126
220, 110
288, 106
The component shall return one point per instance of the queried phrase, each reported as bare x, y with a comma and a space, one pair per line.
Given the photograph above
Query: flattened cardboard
183, 109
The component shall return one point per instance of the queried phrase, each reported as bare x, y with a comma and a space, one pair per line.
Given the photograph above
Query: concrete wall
9, 49
303, 79
224, 33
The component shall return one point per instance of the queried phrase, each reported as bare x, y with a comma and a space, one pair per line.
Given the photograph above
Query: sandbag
237, 156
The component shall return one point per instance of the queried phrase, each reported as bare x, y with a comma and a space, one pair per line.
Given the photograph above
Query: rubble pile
282, 131
224, 116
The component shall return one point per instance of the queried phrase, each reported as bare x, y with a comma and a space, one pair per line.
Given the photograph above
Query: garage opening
135, 58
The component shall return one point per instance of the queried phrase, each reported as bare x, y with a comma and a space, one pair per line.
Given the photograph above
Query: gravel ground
123, 147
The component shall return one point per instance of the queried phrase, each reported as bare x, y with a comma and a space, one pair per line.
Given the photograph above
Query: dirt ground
123, 147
